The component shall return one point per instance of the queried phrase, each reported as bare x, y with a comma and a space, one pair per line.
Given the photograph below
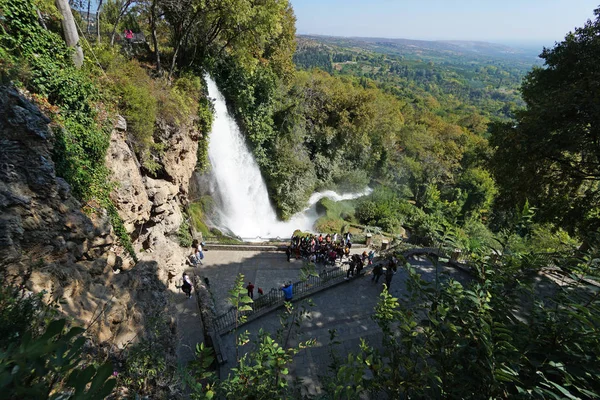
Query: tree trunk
98, 22
154, 37
70, 31
88, 17
41, 18
121, 13
174, 60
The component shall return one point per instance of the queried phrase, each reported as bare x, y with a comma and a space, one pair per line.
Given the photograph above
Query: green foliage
499, 337
198, 210
262, 373
205, 118
385, 209
545, 155
148, 370
40, 357
337, 214
80, 147
20, 313
203, 384
467, 88
45, 367
480, 191
142, 100
184, 235
119, 228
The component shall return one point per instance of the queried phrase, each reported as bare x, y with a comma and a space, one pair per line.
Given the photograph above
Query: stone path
189, 323
346, 308
265, 270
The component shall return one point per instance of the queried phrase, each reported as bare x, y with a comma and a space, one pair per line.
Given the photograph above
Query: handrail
274, 298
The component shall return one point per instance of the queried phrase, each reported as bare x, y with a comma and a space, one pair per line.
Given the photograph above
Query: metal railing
274, 298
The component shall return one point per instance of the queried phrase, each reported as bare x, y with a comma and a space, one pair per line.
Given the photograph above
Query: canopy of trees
550, 155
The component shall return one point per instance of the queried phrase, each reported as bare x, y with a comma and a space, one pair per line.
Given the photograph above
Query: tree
70, 31
252, 31
551, 154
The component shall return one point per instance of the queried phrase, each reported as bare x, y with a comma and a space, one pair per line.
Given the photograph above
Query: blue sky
501, 21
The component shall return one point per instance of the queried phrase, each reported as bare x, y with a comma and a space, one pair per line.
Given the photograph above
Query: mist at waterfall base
242, 205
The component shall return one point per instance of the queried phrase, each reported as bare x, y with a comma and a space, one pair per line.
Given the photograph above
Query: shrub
329, 225
183, 233
40, 356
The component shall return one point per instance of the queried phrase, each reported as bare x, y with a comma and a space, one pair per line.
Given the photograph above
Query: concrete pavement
346, 308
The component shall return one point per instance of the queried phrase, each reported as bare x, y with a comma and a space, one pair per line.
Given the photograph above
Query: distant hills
431, 50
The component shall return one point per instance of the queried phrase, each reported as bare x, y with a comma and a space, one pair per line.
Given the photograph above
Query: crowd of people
327, 250
319, 249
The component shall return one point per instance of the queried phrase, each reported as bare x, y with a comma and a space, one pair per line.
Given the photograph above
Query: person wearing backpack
186, 285
377, 272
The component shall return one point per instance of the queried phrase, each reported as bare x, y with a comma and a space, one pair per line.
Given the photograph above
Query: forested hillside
493, 159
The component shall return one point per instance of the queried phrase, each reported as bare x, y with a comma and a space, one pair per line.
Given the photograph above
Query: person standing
199, 253
371, 257
358, 262
389, 274
250, 288
377, 272
288, 253
351, 267
186, 285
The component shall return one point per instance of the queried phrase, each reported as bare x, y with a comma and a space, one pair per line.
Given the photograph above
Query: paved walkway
346, 308
189, 323
265, 270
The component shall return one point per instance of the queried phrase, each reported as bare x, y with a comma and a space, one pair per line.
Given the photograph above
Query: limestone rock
74, 256
179, 156
130, 195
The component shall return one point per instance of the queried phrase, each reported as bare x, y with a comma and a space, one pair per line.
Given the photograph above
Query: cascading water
243, 204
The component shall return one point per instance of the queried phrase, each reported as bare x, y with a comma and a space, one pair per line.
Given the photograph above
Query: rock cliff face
75, 256
151, 207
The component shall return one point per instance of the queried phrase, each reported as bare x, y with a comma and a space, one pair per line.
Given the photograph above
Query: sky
499, 21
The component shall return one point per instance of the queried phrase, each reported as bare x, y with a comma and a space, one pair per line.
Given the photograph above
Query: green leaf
103, 373
54, 329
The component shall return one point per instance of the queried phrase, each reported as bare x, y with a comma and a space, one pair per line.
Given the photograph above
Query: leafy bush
148, 370
39, 356
205, 119
448, 340
329, 225
183, 234
20, 313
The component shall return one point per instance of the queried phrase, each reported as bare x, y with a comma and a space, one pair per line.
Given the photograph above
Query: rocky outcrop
151, 206
71, 255
179, 156
130, 193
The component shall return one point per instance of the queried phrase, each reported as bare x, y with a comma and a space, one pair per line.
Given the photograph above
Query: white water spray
244, 207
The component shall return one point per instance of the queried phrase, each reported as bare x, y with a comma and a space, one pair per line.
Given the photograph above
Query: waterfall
242, 202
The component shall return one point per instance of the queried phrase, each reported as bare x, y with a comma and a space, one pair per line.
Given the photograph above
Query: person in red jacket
250, 288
